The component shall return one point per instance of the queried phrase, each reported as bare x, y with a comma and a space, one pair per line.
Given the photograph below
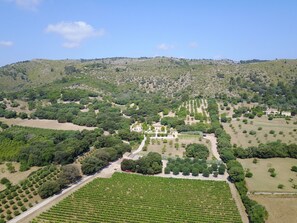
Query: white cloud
74, 32
193, 45
27, 4
164, 46
6, 43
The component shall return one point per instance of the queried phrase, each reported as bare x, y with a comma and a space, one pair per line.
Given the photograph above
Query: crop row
18, 198
134, 198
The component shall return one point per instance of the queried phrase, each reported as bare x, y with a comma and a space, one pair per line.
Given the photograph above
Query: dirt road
213, 142
234, 192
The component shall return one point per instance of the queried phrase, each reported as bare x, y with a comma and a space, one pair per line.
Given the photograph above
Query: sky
212, 29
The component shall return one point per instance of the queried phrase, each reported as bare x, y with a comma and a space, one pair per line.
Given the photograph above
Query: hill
171, 77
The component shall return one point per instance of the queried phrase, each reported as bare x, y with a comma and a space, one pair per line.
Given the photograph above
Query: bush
271, 132
222, 169
195, 172
273, 174
294, 168
280, 186
175, 171
249, 175
252, 132
186, 171
167, 170
205, 173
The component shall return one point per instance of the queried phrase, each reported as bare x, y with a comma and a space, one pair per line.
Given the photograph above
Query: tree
186, 171
48, 189
167, 170
128, 165
222, 169
69, 174
195, 150
235, 171
195, 172
205, 173
92, 165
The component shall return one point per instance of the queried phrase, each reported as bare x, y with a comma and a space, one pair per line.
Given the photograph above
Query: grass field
135, 198
169, 149
283, 130
280, 208
262, 181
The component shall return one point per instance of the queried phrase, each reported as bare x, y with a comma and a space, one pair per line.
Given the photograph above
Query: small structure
137, 127
159, 128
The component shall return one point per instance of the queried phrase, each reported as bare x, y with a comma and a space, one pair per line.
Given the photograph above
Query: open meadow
261, 179
261, 130
281, 208
135, 198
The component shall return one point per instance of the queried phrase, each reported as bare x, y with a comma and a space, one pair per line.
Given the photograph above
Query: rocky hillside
168, 76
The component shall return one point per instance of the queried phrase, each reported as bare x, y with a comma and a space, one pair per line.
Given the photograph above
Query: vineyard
134, 198
194, 110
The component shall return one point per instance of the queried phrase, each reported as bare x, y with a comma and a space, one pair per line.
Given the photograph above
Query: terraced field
134, 198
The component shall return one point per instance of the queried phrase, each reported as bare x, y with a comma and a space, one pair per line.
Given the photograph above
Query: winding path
233, 189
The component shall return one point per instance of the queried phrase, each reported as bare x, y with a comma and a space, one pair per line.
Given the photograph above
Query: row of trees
256, 212
268, 150
194, 166
149, 164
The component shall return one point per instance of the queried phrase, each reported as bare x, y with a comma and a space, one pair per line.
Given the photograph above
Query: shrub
248, 174
222, 169
271, 132
252, 132
280, 186
186, 171
195, 172
175, 171
205, 173
294, 168
167, 170
273, 174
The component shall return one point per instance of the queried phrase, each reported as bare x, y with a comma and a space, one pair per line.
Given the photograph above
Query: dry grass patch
15, 177
262, 181
240, 132
45, 124
280, 208
173, 147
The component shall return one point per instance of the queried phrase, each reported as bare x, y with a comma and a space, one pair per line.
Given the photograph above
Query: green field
134, 198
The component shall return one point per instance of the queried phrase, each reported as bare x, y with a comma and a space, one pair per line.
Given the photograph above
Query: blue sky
215, 29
